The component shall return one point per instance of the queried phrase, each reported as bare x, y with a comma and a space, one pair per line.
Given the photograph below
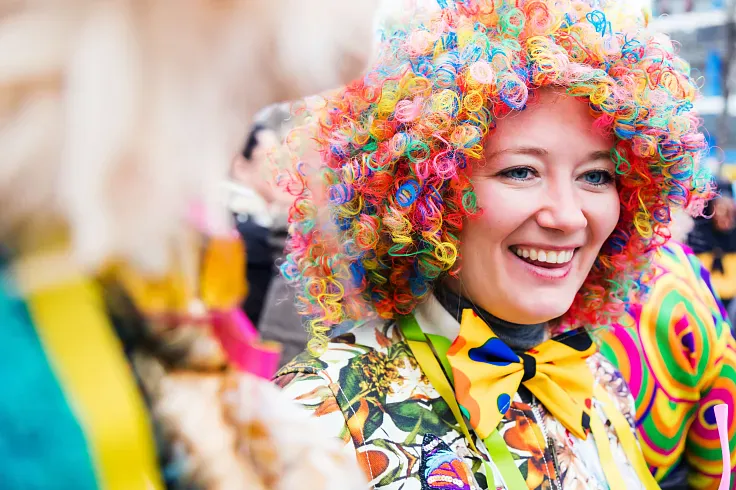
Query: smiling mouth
547, 259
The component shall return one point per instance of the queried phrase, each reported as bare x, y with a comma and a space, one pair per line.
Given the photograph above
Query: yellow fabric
424, 355
223, 285
89, 361
488, 374
217, 280
603, 444
626, 438
724, 282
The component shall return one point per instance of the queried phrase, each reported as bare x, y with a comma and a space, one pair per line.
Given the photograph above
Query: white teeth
549, 256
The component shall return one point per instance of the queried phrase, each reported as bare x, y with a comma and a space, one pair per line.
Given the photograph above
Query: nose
562, 210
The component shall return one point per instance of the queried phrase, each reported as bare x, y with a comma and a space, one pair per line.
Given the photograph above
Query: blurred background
704, 30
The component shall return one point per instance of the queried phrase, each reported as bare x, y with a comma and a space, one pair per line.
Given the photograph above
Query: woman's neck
518, 337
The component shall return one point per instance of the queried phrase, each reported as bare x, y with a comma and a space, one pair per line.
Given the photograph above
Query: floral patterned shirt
368, 390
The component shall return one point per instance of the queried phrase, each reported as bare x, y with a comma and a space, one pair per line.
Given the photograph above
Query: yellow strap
626, 437
505, 462
610, 469
427, 361
90, 364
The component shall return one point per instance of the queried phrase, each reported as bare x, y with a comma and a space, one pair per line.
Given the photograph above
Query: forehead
553, 121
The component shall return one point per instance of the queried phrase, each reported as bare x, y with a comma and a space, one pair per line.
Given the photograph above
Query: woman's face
549, 203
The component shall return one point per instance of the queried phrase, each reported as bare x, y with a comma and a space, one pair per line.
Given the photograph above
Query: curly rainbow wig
398, 149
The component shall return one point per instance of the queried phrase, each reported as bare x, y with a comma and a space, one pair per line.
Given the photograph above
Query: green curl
420, 147
470, 201
508, 27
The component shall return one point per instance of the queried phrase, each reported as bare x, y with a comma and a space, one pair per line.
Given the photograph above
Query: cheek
603, 214
504, 211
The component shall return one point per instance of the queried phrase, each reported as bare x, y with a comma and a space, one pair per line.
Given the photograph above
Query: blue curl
631, 50
341, 194
358, 273
423, 66
408, 193
598, 19
685, 106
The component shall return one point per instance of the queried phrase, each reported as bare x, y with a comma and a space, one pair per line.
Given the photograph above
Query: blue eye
597, 177
519, 173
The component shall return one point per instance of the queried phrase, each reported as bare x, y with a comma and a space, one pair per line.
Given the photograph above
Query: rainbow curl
398, 147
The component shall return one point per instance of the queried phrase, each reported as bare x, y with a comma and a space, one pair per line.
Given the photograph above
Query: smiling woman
549, 202
496, 185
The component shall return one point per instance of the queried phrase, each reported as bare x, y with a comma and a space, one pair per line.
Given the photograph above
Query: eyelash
608, 175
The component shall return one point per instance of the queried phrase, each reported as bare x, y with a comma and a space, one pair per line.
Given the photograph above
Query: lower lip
556, 274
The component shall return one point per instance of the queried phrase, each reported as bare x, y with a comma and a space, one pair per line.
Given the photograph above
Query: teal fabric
42, 446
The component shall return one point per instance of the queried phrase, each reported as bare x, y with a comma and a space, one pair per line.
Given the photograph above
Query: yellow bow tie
488, 374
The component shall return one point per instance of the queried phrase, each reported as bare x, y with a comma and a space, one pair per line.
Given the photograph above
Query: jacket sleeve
717, 384
280, 320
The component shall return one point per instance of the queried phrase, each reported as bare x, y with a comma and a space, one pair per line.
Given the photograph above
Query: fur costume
115, 117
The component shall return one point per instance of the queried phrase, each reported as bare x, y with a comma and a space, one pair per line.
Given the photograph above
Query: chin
534, 313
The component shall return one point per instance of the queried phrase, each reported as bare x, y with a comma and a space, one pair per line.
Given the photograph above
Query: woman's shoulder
374, 339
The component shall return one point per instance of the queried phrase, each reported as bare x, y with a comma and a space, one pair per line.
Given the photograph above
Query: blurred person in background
279, 320
713, 240
124, 365
260, 208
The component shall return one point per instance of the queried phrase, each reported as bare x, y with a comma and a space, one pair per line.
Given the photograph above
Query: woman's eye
597, 177
519, 173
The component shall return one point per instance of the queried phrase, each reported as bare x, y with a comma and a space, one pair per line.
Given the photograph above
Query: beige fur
115, 117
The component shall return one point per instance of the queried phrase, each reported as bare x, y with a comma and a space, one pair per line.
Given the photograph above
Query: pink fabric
243, 346
722, 422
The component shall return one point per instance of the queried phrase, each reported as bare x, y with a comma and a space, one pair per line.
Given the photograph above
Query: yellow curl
642, 220
473, 101
601, 93
446, 253
379, 130
399, 227
445, 101
416, 85
643, 224
475, 152
351, 208
389, 98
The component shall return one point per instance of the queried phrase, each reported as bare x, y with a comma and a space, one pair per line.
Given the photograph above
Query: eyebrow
541, 152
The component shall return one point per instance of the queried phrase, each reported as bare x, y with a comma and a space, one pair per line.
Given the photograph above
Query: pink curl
444, 166
604, 122
482, 72
408, 110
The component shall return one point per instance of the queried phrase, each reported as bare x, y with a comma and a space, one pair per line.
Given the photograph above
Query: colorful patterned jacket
678, 355
368, 390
